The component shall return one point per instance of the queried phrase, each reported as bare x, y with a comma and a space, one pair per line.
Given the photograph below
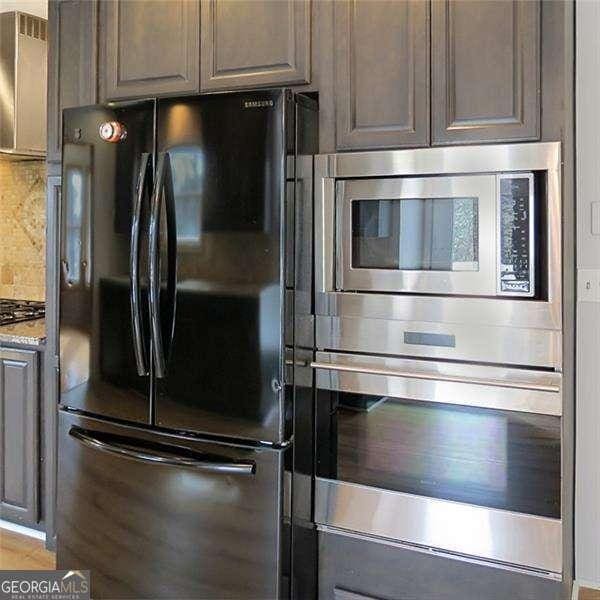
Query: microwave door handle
149, 455
134, 256
154, 269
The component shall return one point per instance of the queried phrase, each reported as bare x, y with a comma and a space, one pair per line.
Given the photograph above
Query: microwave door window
416, 234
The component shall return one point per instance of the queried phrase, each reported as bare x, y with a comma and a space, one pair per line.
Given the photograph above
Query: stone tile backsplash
22, 230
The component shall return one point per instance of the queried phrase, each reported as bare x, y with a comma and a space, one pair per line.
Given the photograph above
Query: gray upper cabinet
149, 48
485, 71
72, 63
19, 416
250, 43
381, 73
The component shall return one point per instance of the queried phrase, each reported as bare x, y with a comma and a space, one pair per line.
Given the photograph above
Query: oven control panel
515, 217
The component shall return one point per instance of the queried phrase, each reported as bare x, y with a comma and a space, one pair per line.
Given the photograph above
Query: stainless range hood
23, 78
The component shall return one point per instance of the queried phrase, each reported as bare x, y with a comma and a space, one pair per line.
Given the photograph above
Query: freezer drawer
157, 516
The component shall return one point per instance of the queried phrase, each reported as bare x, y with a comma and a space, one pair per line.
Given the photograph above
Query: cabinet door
149, 48
382, 73
72, 73
19, 415
250, 43
485, 71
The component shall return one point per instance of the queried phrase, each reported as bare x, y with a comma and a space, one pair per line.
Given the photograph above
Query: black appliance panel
221, 229
152, 530
104, 152
516, 244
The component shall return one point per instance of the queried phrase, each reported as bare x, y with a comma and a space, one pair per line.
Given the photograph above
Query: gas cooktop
15, 311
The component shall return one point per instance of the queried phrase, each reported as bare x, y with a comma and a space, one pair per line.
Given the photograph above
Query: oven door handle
538, 387
130, 450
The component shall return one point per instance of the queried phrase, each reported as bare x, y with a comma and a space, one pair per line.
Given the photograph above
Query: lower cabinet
19, 436
358, 568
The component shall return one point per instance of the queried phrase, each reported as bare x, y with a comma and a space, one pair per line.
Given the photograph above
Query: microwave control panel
515, 217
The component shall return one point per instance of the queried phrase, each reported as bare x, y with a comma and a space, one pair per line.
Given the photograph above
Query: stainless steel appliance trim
324, 226
481, 282
498, 388
531, 248
472, 342
493, 159
449, 160
23, 63
497, 535
529, 314
135, 300
431, 376
441, 553
154, 268
146, 455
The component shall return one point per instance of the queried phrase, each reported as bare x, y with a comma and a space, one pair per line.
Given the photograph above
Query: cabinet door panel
19, 416
72, 72
255, 43
382, 73
486, 71
150, 48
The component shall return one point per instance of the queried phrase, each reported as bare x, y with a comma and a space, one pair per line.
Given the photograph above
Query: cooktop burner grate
15, 311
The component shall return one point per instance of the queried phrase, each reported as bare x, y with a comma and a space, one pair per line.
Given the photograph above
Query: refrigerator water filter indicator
112, 131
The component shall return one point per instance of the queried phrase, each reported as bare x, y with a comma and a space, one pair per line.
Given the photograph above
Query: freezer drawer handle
128, 450
538, 387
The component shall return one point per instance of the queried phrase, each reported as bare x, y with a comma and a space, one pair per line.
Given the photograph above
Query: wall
33, 7
587, 479
22, 229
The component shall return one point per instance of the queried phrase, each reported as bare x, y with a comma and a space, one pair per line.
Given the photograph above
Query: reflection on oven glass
404, 429
424, 234
486, 457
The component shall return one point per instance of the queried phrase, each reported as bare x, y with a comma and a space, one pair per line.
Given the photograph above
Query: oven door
462, 459
423, 235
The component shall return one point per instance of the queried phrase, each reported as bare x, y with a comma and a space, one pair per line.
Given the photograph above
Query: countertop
30, 333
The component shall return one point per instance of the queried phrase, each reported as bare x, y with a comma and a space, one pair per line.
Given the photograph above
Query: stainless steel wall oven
439, 351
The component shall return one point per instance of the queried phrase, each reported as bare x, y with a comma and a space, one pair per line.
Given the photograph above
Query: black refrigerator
177, 276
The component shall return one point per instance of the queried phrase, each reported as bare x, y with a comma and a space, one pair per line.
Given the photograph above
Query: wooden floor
22, 553
588, 594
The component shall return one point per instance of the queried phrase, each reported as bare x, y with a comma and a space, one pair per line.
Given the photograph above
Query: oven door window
423, 234
493, 458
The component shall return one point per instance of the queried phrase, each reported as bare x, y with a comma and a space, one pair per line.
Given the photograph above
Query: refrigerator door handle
134, 255
129, 450
154, 267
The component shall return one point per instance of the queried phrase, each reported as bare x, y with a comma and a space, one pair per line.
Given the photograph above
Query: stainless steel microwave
450, 253
471, 235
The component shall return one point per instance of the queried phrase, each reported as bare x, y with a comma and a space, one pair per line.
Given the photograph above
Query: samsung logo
258, 103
